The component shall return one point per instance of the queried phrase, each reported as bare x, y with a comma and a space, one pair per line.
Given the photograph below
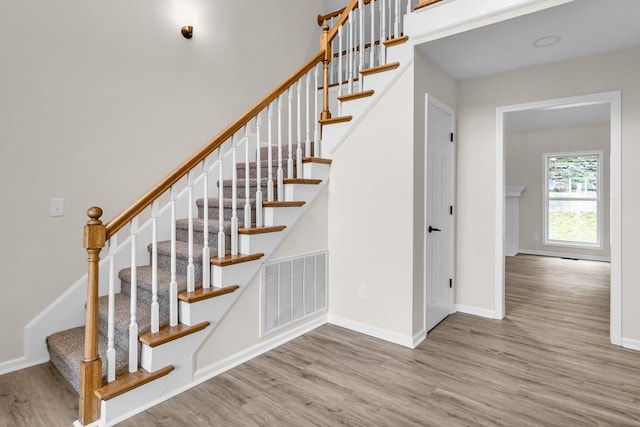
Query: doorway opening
612, 100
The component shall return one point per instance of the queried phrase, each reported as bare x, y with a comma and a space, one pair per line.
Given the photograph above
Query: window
573, 199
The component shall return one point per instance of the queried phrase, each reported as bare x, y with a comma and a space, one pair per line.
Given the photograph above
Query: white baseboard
564, 255
631, 344
482, 312
373, 331
19, 363
418, 338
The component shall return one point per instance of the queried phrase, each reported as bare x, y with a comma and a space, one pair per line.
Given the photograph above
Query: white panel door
439, 212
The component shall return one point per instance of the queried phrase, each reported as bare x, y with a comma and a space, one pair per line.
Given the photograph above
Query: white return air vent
292, 289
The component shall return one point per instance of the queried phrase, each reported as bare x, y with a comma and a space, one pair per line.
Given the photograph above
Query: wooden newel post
91, 365
325, 44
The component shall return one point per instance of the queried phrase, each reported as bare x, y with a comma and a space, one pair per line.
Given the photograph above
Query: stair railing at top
176, 194
358, 37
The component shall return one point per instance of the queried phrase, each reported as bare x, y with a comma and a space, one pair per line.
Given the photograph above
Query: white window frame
545, 196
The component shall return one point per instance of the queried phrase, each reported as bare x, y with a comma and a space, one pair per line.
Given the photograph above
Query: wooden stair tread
277, 204
356, 95
202, 294
425, 3
316, 160
301, 181
129, 381
170, 333
261, 230
396, 40
334, 120
235, 259
380, 68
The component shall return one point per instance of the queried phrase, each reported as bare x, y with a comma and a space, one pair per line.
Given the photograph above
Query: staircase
66, 347
255, 181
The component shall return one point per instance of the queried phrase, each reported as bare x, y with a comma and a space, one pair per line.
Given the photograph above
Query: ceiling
585, 27
582, 28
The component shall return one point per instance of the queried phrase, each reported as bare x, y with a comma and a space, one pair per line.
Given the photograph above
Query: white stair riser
298, 192
236, 274
211, 310
316, 171
154, 358
356, 107
280, 216
331, 132
378, 80
399, 53
254, 243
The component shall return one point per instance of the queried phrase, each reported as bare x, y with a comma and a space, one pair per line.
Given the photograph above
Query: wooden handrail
119, 221
323, 18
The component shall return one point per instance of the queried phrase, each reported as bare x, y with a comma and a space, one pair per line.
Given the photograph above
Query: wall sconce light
187, 31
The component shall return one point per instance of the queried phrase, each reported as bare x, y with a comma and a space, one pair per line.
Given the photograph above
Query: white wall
98, 101
523, 166
477, 103
371, 217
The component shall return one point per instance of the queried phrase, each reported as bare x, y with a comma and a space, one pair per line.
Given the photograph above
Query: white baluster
340, 69
396, 21
383, 30
234, 198
307, 113
361, 42
372, 48
206, 250
408, 9
191, 269
173, 285
247, 182
290, 134
111, 351
258, 173
221, 236
155, 308
280, 184
350, 51
316, 116
269, 154
133, 323
299, 129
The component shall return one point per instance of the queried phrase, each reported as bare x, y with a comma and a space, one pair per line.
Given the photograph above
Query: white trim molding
475, 311
612, 98
631, 344
373, 331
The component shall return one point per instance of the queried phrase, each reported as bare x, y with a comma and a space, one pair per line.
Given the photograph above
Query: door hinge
450, 283
451, 136
450, 210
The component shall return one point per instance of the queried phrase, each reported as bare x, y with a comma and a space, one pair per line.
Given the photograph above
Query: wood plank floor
549, 363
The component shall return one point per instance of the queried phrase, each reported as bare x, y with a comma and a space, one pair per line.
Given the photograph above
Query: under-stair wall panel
374, 251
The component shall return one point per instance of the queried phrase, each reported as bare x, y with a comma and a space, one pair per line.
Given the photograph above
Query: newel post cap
94, 232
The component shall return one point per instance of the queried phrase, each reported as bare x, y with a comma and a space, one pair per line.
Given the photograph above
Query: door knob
433, 229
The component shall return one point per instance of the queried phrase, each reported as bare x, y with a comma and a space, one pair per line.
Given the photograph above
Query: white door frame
614, 100
430, 99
